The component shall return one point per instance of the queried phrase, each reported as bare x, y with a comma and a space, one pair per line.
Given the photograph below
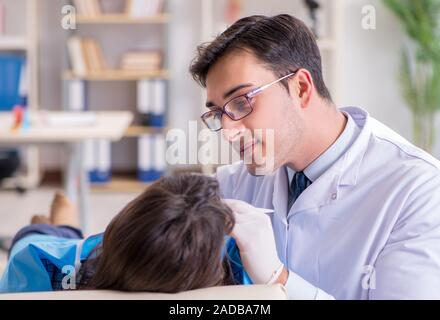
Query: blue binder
11, 66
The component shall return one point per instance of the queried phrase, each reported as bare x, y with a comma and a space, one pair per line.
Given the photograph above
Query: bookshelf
120, 18
116, 75
24, 42
329, 43
148, 130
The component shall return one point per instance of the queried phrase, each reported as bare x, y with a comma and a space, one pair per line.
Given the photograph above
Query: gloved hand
254, 236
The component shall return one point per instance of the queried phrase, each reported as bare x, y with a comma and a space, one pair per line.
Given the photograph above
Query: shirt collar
333, 153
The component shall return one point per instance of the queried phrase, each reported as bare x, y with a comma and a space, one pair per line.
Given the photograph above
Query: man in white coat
356, 208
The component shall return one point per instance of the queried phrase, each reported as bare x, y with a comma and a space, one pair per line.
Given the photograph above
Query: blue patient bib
233, 254
37, 261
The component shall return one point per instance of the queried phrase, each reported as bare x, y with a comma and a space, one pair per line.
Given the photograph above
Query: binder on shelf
89, 157
159, 163
145, 163
151, 101
159, 103
2, 19
23, 86
144, 100
13, 88
77, 95
98, 160
151, 157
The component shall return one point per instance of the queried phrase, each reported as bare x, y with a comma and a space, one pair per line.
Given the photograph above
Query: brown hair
169, 239
283, 43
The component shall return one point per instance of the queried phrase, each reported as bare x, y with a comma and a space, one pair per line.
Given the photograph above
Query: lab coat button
334, 196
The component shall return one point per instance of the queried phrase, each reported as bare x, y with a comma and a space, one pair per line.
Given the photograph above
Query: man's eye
241, 105
216, 110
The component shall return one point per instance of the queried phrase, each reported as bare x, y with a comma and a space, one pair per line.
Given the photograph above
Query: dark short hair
169, 239
283, 43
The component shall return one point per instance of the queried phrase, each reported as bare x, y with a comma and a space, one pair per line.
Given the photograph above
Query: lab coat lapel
280, 194
319, 193
344, 172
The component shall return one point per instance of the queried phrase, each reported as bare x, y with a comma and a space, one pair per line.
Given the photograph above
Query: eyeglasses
237, 108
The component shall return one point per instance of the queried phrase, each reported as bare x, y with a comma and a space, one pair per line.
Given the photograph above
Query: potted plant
419, 73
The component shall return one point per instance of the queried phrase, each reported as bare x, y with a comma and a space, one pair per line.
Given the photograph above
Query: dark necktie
298, 184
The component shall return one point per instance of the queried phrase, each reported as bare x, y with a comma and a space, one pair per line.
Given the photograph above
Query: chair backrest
9, 163
240, 292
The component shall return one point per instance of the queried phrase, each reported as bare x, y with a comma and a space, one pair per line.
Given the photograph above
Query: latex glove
254, 236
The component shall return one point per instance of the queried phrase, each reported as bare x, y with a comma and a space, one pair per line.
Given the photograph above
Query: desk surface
105, 125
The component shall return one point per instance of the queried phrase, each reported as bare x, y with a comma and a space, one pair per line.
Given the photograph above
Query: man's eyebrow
235, 89
210, 104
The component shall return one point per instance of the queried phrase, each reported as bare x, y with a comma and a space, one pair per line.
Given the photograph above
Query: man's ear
302, 86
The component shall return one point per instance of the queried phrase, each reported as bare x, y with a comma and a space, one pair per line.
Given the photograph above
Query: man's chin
260, 170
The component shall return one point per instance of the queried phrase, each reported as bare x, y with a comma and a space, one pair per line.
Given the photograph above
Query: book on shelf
141, 61
89, 8
144, 8
93, 55
76, 56
85, 56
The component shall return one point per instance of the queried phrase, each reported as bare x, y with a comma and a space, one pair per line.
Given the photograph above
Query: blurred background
134, 55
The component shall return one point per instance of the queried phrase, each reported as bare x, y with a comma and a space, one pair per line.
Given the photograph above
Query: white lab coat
368, 228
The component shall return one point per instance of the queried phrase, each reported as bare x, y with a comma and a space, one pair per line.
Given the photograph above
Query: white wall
370, 65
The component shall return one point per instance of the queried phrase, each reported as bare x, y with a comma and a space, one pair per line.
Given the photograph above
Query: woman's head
168, 239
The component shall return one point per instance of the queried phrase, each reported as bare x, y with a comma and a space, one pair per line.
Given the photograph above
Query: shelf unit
116, 75
28, 44
122, 183
11, 43
330, 47
122, 19
137, 131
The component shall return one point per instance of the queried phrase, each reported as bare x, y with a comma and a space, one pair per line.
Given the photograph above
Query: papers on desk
70, 119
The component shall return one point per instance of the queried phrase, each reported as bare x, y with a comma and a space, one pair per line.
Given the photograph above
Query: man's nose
231, 129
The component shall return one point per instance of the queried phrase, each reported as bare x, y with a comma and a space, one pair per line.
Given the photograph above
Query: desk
109, 125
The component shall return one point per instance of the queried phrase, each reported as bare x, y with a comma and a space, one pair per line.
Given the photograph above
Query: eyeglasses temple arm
259, 89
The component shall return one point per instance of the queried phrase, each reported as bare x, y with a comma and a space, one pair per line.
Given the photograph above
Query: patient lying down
171, 238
